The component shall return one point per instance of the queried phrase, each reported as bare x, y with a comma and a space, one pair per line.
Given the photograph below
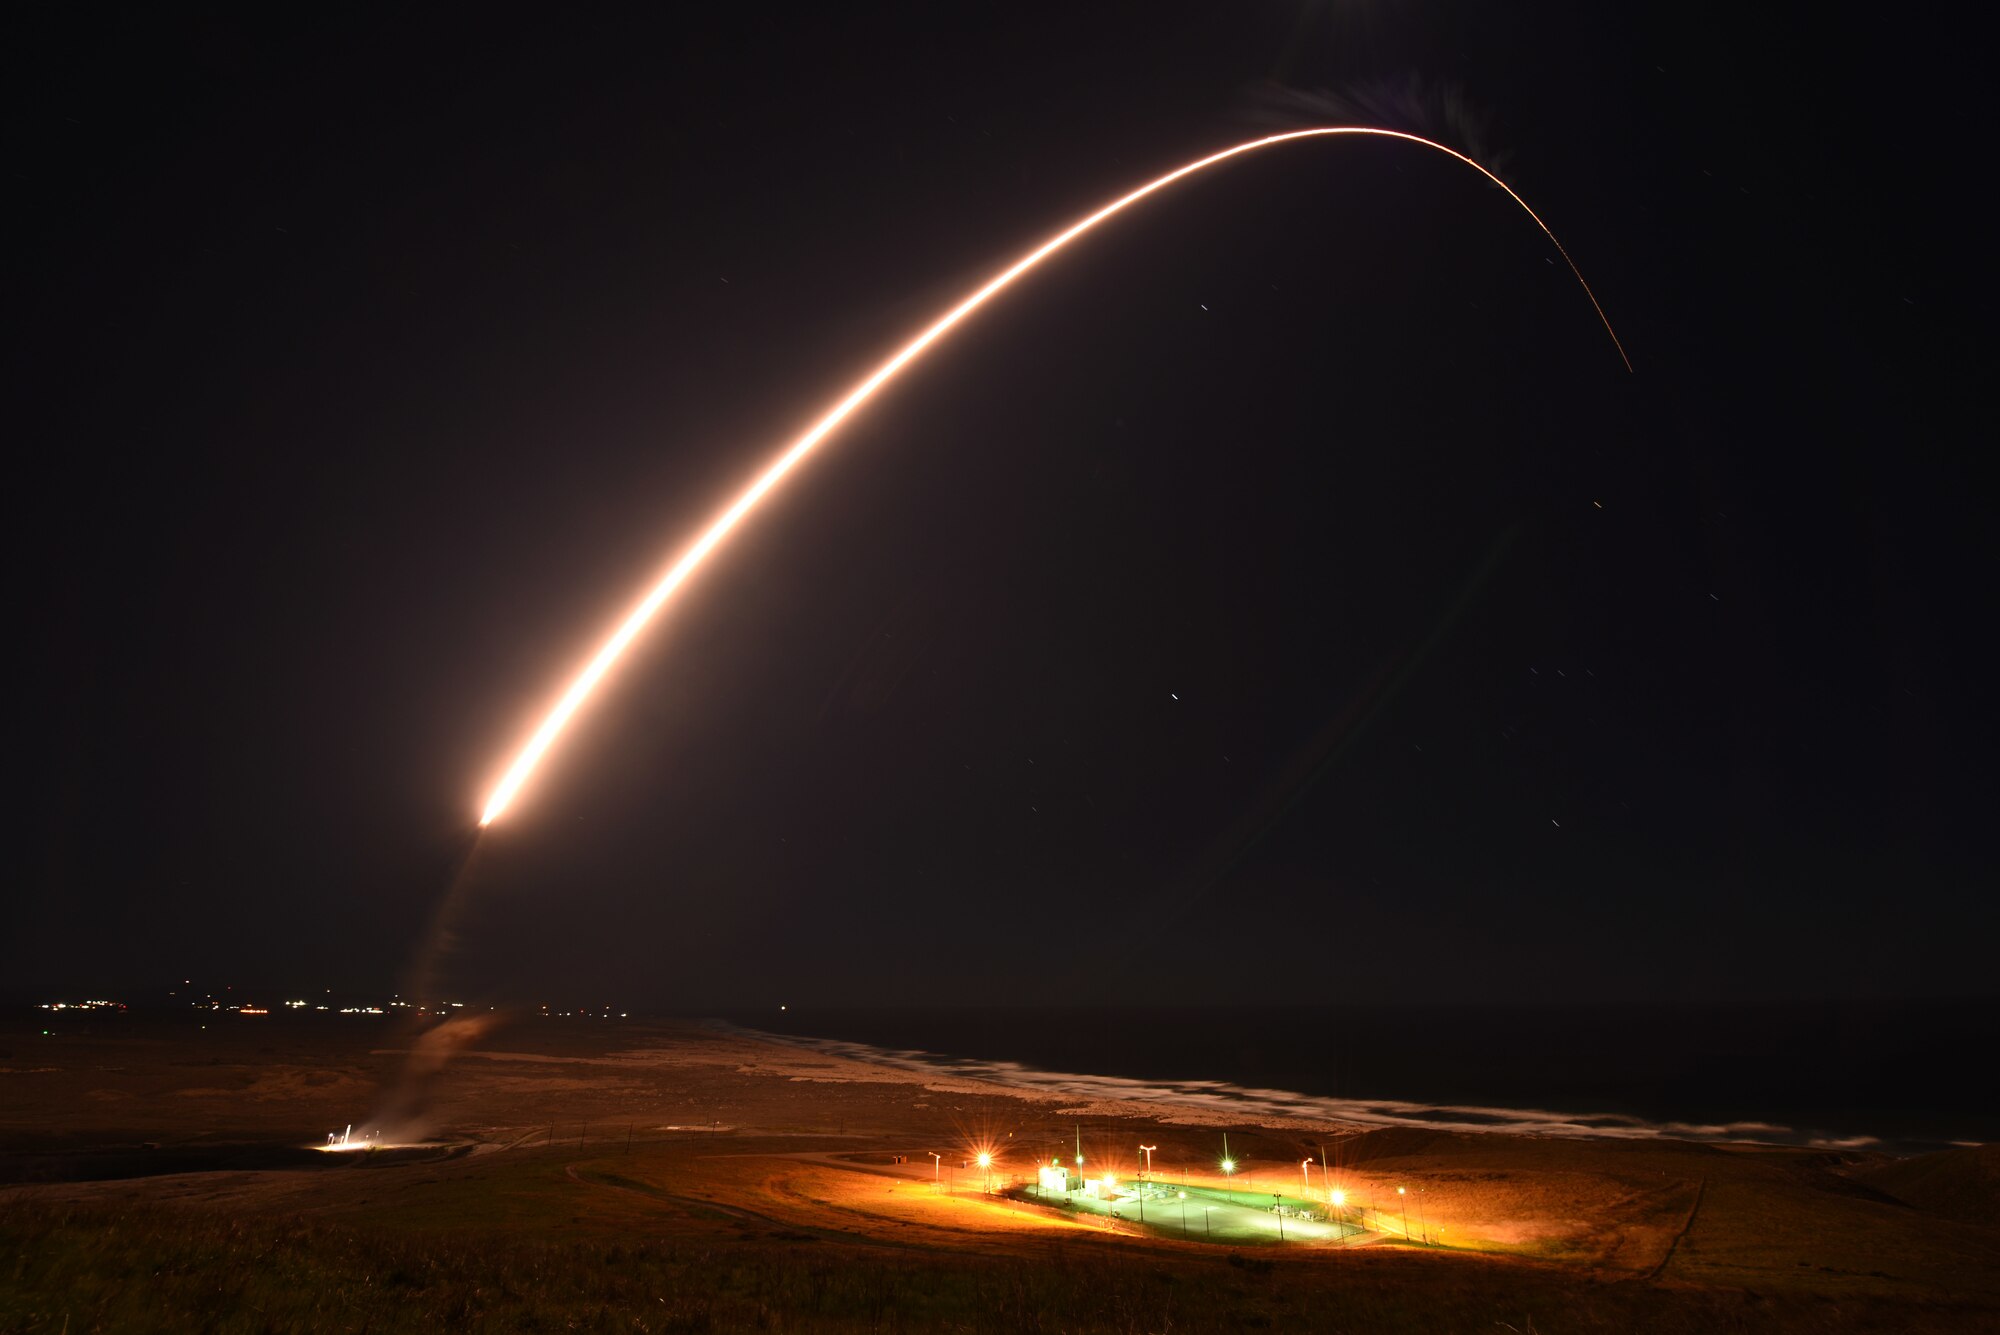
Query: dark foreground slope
1958, 1184
632, 1178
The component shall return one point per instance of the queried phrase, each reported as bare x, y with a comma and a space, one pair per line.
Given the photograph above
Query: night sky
1293, 571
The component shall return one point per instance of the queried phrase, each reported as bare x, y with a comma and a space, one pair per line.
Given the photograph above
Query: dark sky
1293, 573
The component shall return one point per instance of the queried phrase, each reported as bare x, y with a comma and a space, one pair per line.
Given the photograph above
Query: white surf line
1225, 1102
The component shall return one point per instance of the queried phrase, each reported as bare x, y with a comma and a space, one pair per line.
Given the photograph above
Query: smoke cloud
404, 1117
1410, 102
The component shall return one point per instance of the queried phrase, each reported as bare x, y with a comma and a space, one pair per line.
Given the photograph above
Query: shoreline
1214, 1103
675, 1146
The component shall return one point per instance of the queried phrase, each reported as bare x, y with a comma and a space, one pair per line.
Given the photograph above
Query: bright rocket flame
628, 630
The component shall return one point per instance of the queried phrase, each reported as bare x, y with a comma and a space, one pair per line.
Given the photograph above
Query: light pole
1403, 1202
937, 1171
985, 1170
1335, 1200
1147, 1150
1228, 1164
1423, 1223
1306, 1179
1278, 1209
1206, 1235
1183, 1214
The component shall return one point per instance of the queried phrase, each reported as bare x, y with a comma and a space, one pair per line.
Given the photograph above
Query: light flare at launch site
586, 681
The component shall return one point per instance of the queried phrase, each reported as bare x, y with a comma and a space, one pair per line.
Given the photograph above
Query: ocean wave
1214, 1102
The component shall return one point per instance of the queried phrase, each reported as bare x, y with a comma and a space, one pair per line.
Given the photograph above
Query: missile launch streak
585, 682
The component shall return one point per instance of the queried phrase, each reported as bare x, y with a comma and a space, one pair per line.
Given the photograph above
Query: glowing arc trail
600, 663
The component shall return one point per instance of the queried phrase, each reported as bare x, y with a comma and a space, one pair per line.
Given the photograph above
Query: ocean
1901, 1076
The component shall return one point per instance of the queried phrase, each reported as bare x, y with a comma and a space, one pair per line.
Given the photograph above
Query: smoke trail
404, 1116
420, 982
580, 689
1420, 106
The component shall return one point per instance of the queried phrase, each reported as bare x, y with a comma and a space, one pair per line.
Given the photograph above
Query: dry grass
793, 1217
101, 1268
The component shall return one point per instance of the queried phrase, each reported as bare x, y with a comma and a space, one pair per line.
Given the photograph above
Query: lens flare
585, 682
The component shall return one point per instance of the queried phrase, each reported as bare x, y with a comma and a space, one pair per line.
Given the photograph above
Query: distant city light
226, 1003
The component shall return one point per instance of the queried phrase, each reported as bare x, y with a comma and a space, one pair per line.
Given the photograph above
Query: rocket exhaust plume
404, 1119
420, 983
579, 689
